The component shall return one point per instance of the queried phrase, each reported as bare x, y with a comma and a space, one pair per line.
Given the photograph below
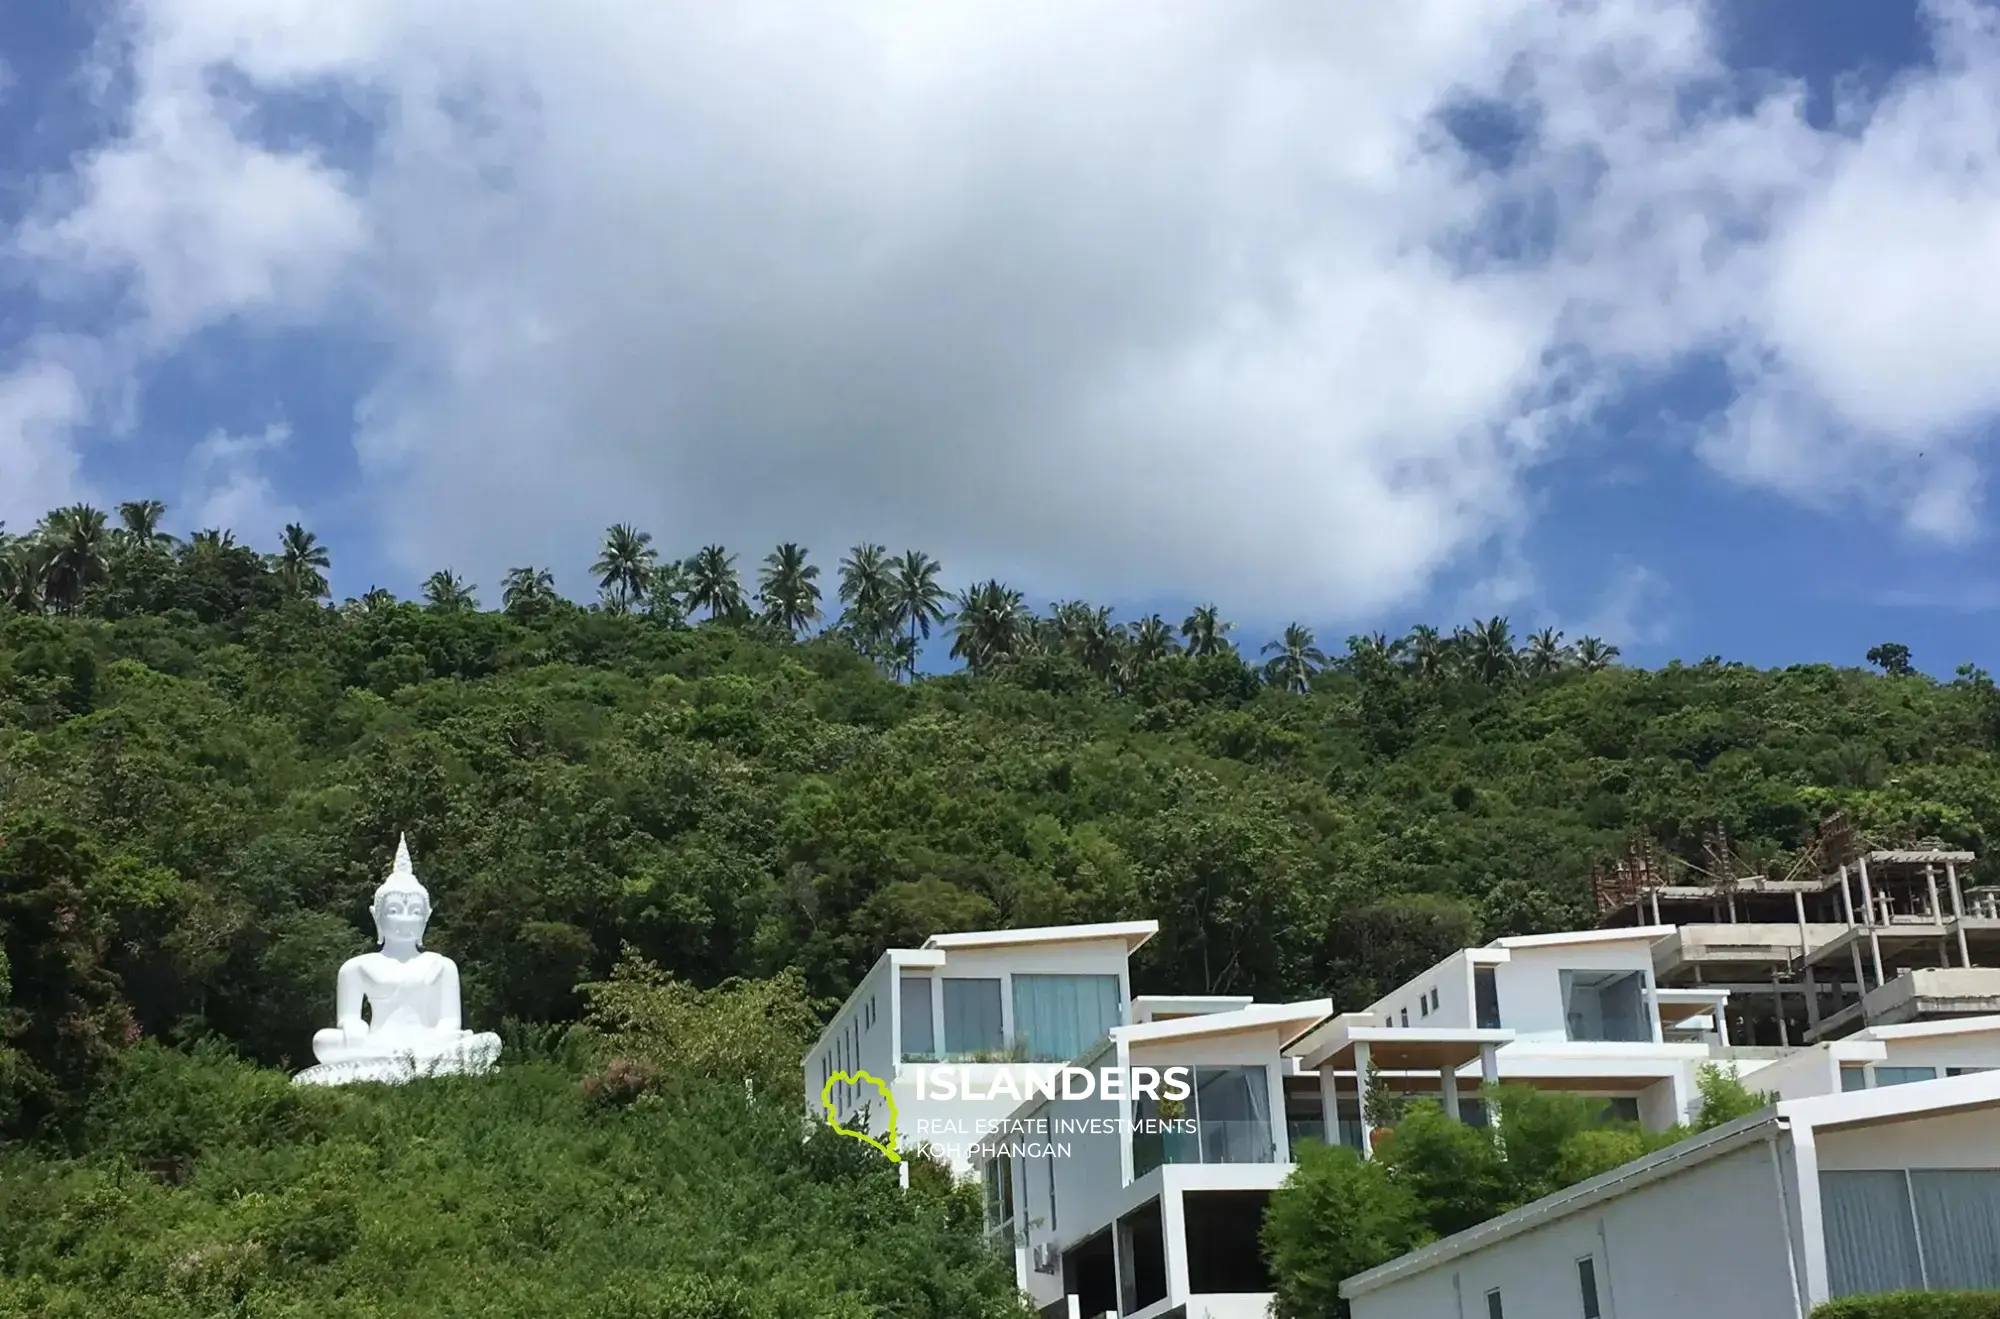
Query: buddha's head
402, 907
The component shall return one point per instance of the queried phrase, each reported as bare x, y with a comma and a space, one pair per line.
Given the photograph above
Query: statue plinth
476, 1056
413, 1024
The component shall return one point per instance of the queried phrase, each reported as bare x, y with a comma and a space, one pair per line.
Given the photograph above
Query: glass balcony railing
1245, 1141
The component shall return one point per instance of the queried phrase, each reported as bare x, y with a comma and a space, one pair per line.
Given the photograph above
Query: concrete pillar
1846, 897
1868, 904
1812, 999
1448, 1084
1860, 982
1655, 895
1489, 1064
1721, 1025
1778, 998
1329, 1098
1957, 910
1361, 1094
1930, 882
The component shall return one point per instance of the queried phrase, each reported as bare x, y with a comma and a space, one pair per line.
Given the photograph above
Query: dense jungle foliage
204, 769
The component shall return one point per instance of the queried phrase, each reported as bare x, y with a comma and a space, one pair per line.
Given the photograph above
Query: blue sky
1141, 308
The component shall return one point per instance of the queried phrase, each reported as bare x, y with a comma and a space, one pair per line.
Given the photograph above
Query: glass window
972, 1017
1486, 993
1058, 1017
1493, 1305
1965, 1071
1586, 1277
1904, 1075
1605, 1005
999, 1192
1233, 1112
919, 1035
1406, 1017
1853, 1078
1424, 1006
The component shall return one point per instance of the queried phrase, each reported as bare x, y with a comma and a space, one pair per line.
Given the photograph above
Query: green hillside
203, 772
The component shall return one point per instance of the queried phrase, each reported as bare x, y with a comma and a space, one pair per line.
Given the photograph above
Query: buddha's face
400, 917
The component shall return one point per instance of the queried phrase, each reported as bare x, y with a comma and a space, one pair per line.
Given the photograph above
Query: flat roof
1848, 1109
1392, 1048
1162, 1007
1625, 934
1133, 933
1291, 1020
1920, 1030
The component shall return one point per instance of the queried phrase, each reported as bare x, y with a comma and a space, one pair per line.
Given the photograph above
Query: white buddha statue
414, 1026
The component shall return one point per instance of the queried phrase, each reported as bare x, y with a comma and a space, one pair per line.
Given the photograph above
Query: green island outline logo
888, 1142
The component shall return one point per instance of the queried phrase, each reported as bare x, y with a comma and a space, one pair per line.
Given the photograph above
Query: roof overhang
1645, 934
1167, 1007
1924, 1030
1393, 1048
1289, 1020
1132, 933
1679, 1005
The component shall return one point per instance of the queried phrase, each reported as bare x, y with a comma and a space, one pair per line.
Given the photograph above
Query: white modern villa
1151, 1209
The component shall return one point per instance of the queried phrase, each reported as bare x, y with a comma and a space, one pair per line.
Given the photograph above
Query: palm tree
1373, 653
989, 626
1152, 640
916, 601
666, 593
626, 564
867, 581
32, 558
371, 601
527, 592
1593, 654
447, 592
712, 582
1205, 632
1545, 654
788, 589
301, 562
1430, 654
139, 524
1490, 650
1294, 659
77, 541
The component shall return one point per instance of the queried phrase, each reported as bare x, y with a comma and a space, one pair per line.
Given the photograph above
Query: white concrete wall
1810, 1072
1980, 1049
1451, 980
1074, 1196
861, 1037
1709, 1241
1529, 984
1946, 1140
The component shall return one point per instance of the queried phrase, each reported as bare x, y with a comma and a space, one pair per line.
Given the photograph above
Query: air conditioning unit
1047, 1258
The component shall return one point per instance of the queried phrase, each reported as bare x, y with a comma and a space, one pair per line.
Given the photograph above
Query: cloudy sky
1677, 322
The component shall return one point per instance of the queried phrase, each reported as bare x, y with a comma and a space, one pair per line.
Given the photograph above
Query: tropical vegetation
715, 792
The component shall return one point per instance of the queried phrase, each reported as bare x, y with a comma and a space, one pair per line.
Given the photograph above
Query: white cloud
39, 404
228, 488
1102, 298
1632, 611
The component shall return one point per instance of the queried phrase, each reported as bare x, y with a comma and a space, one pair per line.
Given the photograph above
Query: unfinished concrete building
1850, 936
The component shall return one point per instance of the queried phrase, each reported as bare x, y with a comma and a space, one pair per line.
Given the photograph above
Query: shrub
1914, 1305
1334, 1217
622, 1082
